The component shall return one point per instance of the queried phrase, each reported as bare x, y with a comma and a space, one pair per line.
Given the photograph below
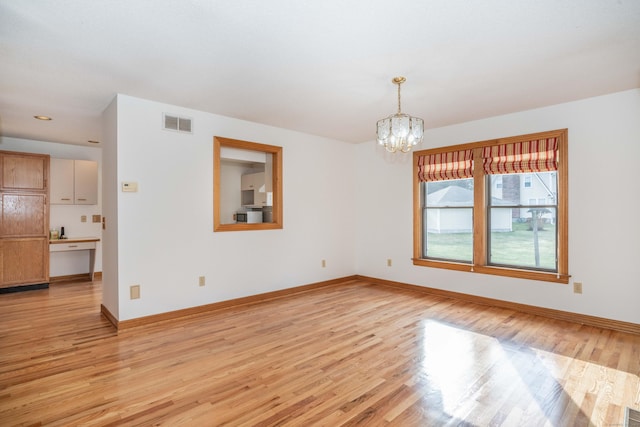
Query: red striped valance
449, 165
540, 155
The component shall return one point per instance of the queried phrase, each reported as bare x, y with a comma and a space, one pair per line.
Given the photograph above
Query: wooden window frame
276, 152
479, 264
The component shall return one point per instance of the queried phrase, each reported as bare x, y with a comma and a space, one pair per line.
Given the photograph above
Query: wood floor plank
355, 354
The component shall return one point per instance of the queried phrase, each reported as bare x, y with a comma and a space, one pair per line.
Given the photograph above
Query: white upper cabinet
74, 182
85, 182
253, 181
253, 189
61, 182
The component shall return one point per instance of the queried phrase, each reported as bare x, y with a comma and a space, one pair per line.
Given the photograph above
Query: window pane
522, 230
449, 234
522, 242
524, 189
448, 220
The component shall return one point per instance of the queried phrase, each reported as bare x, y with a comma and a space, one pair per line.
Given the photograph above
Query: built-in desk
77, 244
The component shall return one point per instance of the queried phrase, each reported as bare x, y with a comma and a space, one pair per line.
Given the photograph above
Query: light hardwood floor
355, 354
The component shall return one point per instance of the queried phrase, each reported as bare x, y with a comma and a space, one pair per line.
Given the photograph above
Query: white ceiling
320, 67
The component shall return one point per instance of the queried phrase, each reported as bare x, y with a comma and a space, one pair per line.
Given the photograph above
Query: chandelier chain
399, 111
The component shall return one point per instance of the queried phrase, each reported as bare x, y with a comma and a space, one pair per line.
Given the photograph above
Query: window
523, 234
247, 185
494, 207
448, 220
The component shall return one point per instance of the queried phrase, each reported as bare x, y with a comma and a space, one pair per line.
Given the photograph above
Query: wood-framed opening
272, 206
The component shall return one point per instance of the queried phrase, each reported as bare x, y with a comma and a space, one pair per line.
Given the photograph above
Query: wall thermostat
129, 187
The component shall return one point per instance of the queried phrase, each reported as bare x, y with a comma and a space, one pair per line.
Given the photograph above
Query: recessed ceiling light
91, 141
42, 117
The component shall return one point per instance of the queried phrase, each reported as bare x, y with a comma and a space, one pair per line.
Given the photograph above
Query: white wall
603, 248
110, 290
67, 263
165, 237
350, 205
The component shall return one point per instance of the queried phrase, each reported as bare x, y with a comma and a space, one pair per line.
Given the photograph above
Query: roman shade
539, 155
447, 165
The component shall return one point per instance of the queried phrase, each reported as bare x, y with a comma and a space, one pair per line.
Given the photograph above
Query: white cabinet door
246, 183
73, 182
61, 182
86, 182
260, 195
252, 181
255, 182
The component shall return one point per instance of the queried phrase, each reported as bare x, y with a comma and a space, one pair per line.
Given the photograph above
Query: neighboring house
443, 219
526, 189
515, 189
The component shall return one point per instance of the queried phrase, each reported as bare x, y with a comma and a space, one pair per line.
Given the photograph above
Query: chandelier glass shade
400, 132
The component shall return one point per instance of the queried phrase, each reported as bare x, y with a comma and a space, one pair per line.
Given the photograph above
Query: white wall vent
175, 123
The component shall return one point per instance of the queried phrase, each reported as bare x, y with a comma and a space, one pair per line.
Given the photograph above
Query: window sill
247, 226
496, 271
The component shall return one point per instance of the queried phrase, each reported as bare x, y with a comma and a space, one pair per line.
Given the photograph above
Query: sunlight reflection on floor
472, 374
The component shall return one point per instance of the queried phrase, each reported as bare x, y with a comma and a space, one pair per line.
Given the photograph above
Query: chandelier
400, 132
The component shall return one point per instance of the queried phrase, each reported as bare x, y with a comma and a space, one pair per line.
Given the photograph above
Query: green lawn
513, 248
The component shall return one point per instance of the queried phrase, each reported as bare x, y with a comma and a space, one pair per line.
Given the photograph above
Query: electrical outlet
389, 262
134, 291
577, 287
324, 263
201, 281
83, 218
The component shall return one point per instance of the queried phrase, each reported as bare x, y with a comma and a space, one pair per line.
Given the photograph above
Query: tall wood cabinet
24, 219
